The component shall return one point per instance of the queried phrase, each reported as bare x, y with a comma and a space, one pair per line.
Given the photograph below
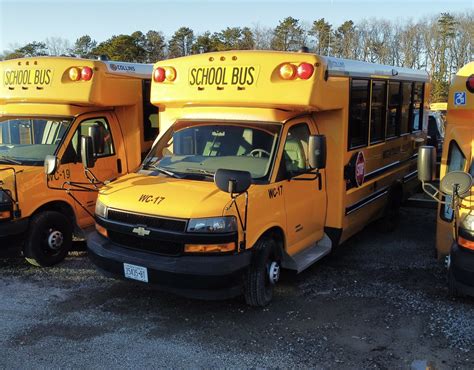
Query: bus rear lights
287, 71
162, 74
86, 73
159, 74
470, 83
305, 71
78, 73
75, 74
170, 74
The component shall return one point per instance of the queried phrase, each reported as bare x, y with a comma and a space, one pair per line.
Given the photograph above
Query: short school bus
272, 159
46, 104
455, 219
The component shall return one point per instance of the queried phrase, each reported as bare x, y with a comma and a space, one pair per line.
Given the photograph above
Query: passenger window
417, 106
105, 149
295, 152
393, 112
456, 159
377, 111
406, 105
359, 113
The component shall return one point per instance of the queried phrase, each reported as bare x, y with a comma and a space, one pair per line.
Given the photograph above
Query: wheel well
276, 234
396, 191
61, 207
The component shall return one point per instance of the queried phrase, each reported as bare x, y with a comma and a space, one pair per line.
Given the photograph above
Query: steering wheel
258, 153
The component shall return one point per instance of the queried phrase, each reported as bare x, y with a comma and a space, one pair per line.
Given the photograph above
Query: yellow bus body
246, 89
459, 133
36, 94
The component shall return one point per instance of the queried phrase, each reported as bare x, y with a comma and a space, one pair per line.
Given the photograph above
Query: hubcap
55, 239
274, 272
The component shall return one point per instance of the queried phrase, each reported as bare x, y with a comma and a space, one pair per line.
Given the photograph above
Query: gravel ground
379, 301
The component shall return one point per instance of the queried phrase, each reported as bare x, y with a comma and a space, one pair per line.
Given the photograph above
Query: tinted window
456, 159
393, 112
377, 111
106, 147
417, 106
406, 104
359, 113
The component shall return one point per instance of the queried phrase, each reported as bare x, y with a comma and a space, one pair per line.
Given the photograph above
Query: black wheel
391, 215
263, 273
49, 239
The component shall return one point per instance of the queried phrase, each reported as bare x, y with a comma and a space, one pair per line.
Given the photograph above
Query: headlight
100, 209
212, 225
5, 197
468, 223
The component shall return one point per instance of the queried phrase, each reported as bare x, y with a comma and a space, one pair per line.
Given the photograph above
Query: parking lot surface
379, 301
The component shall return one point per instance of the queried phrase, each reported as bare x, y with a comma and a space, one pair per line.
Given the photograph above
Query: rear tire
49, 239
258, 288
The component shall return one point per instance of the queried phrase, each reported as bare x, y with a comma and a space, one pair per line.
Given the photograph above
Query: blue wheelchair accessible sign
460, 98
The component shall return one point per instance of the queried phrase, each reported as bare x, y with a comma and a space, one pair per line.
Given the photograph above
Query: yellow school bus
272, 159
46, 105
455, 221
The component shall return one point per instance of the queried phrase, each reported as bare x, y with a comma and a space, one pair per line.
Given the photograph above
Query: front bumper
194, 276
13, 227
462, 269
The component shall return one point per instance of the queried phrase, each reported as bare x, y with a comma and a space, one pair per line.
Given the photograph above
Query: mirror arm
434, 195
243, 223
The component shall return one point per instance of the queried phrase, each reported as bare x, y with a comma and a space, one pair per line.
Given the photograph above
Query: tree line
440, 44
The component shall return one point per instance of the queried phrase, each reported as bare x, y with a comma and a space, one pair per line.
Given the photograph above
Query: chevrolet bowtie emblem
141, 231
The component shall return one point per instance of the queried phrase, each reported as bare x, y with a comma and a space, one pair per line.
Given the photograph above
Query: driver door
109, 165
305, 203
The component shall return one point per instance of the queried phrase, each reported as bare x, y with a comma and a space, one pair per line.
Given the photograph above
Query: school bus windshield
26, 140
201, 149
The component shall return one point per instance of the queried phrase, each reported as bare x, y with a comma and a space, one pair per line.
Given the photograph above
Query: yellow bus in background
272, 159
46, 105
455, 221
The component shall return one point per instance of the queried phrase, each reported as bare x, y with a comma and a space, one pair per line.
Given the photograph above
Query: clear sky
35, 20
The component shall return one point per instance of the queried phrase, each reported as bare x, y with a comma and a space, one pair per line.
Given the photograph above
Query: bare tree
57, 46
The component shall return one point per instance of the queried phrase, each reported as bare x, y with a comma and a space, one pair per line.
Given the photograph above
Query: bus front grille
160, 223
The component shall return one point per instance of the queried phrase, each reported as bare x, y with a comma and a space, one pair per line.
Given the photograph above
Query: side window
417, 106
150, 113
73, 152
406, 105
456, 159
377, 111
393, 112
295, 152
359, 113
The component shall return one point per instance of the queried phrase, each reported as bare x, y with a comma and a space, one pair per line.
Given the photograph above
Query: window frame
283, 174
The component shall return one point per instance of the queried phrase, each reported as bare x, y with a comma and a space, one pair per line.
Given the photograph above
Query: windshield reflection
29, 140
199, 150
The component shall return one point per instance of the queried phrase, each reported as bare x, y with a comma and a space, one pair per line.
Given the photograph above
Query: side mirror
87, 152
317, 151
96, 132
426, 163
232, 181
458, 182
51, 164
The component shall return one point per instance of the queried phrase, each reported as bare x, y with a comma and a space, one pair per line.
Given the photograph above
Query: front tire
49, 239
262, 274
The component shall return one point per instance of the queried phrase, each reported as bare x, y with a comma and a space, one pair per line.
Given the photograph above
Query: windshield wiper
164, 171
200, 171
11, 160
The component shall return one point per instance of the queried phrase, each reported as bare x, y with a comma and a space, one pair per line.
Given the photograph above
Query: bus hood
165, 196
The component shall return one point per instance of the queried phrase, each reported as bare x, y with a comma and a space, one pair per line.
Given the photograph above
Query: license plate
135, 272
